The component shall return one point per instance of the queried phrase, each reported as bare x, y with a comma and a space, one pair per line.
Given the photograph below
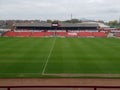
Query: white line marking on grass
48, 56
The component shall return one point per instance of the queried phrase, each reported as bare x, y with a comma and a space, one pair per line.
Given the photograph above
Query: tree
49, 21
113, 23
75, 21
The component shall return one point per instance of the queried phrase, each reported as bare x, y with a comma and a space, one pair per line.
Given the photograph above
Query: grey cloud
59, 9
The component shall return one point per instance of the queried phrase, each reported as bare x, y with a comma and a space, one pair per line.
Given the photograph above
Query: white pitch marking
48, 56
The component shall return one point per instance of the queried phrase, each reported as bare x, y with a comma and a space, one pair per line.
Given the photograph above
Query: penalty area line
45, 65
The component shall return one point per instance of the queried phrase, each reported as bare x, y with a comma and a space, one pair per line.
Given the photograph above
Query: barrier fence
75, 87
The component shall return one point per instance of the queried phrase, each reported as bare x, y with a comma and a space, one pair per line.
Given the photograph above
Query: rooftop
44, 24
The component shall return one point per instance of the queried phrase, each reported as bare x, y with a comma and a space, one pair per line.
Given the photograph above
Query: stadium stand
38, 34
117, 34
99, 34
59, 29
49, 34
61, 34
71, 34
10, 34
85, 34
23, 34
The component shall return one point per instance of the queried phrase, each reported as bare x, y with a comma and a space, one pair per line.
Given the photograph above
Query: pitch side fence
75, 87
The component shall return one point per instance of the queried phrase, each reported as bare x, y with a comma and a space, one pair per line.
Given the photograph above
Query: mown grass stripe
48, 56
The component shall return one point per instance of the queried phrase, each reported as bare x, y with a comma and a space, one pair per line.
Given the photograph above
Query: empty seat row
20, 34
27, 34
66, 34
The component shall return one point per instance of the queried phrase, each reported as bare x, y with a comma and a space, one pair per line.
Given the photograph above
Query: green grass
31, 57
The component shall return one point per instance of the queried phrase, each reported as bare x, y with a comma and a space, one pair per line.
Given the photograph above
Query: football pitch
59, 57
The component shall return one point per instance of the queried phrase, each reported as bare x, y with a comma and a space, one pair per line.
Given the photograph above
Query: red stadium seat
10, 34
49, 33
85, 34
23, 34
99, 34
60, 33
67, 34
38, 34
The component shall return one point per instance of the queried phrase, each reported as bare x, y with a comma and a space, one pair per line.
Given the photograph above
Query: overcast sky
60, 9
